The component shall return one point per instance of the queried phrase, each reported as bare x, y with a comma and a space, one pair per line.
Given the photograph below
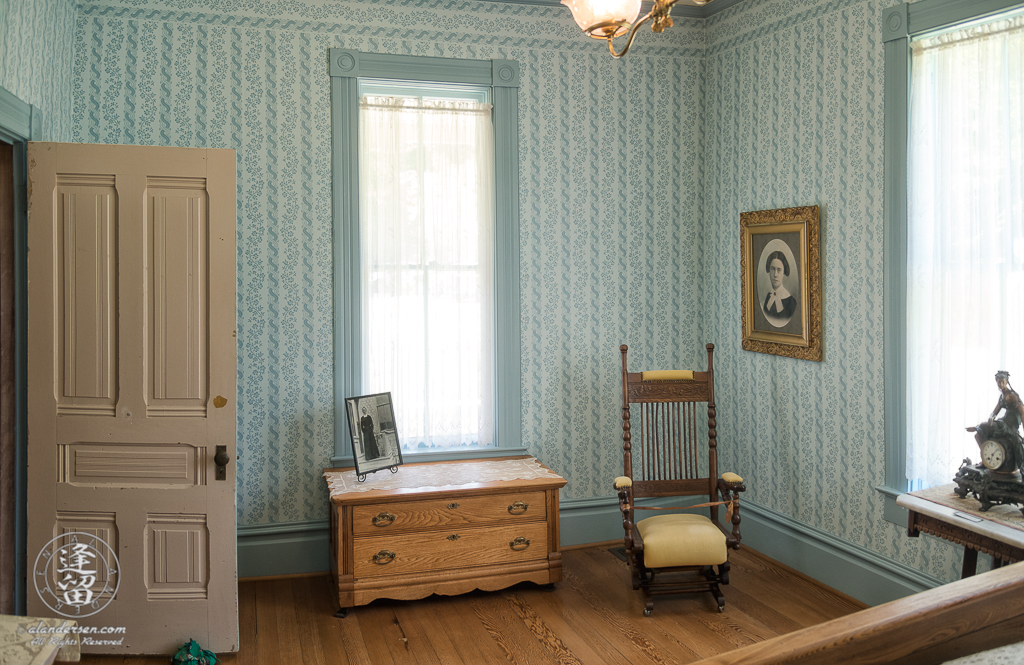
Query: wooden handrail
954, 620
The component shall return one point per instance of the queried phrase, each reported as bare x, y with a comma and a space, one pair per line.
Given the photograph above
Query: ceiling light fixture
608, 19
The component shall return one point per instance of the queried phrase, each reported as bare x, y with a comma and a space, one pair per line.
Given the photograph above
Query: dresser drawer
449, 549
507, 508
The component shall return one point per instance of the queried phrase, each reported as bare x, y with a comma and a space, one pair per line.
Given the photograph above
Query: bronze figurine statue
997, 478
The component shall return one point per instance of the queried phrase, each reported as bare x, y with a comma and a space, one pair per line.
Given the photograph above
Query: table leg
970, 562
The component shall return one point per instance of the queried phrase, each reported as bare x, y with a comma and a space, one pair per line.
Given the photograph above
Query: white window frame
502, 76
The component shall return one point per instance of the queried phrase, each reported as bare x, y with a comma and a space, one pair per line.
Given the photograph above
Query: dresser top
441, 478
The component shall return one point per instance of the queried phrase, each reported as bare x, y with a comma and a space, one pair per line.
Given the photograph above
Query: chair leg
713, 580
723, 572
648, 602
717, 593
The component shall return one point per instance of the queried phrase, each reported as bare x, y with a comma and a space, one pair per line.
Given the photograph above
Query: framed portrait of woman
371, 423
780, 275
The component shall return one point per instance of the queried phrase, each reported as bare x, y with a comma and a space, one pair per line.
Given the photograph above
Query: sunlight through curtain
426, 245
965, 300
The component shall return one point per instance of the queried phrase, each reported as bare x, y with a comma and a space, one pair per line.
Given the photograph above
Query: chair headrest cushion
668, 375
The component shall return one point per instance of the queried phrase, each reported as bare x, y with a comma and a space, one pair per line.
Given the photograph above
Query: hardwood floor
592, 617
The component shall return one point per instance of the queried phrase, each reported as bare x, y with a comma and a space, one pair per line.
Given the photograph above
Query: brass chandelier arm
630, 37
660, 13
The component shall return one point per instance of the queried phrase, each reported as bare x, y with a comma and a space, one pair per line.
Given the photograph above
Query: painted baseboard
853, 569
283, 549
302, 547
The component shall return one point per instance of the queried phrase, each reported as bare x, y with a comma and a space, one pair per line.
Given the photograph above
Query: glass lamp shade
603, 18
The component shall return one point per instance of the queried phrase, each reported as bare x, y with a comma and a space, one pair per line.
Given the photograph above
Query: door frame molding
20, 123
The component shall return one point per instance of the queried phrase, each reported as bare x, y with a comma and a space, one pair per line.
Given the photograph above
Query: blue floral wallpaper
36, 53
610, 183
795, 117
633, 174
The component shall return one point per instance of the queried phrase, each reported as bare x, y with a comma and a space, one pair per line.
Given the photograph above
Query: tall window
965, 238
425, 171
426, 207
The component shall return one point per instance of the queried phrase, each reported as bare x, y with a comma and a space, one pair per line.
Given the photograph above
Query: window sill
891, 512
347, 461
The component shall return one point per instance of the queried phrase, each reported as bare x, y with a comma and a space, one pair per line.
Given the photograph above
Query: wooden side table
443, 527
939, 512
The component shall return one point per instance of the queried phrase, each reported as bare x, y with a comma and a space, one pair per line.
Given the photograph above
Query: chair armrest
624, 486
730, 482
729, 487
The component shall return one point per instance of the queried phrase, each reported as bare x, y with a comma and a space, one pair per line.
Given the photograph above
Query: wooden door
131, 390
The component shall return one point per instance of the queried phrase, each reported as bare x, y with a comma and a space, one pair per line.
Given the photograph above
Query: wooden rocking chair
682, 549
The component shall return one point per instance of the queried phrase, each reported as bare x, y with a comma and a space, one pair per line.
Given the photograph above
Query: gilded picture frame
780, 275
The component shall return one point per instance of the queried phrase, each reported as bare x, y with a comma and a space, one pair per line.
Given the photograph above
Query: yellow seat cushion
681, 540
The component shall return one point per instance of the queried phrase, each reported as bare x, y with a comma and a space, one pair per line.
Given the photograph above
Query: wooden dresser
443, 527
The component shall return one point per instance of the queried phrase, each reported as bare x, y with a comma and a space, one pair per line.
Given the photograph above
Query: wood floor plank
248, 647
266, 624
575, 623
288, 643
551, 629
760, 611
419, 621
376, 625
512, 636
307, 632
812, 605
406, 638
341, 638
455, 617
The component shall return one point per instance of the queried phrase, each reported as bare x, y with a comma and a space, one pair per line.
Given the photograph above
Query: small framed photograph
780, 274
371, 422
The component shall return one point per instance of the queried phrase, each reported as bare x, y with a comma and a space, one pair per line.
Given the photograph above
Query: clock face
993, 454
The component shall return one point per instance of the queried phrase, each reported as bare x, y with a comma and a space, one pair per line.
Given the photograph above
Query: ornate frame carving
797, 234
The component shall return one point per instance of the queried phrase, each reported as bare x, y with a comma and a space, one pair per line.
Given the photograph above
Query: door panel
86, 230
131, 339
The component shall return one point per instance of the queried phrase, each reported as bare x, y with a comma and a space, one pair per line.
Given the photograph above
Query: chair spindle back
667, 432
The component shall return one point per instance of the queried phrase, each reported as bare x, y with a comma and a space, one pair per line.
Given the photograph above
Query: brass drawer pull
452, 506
383, 557
519, 544
383, 519
518, 508
454, 537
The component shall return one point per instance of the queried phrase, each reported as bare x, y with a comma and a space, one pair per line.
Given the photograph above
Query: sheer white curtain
426, 204
965, 301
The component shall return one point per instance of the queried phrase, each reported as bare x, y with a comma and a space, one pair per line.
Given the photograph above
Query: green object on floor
191, 652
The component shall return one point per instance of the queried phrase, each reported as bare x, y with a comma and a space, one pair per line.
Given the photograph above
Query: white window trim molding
901, 24
346, 67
